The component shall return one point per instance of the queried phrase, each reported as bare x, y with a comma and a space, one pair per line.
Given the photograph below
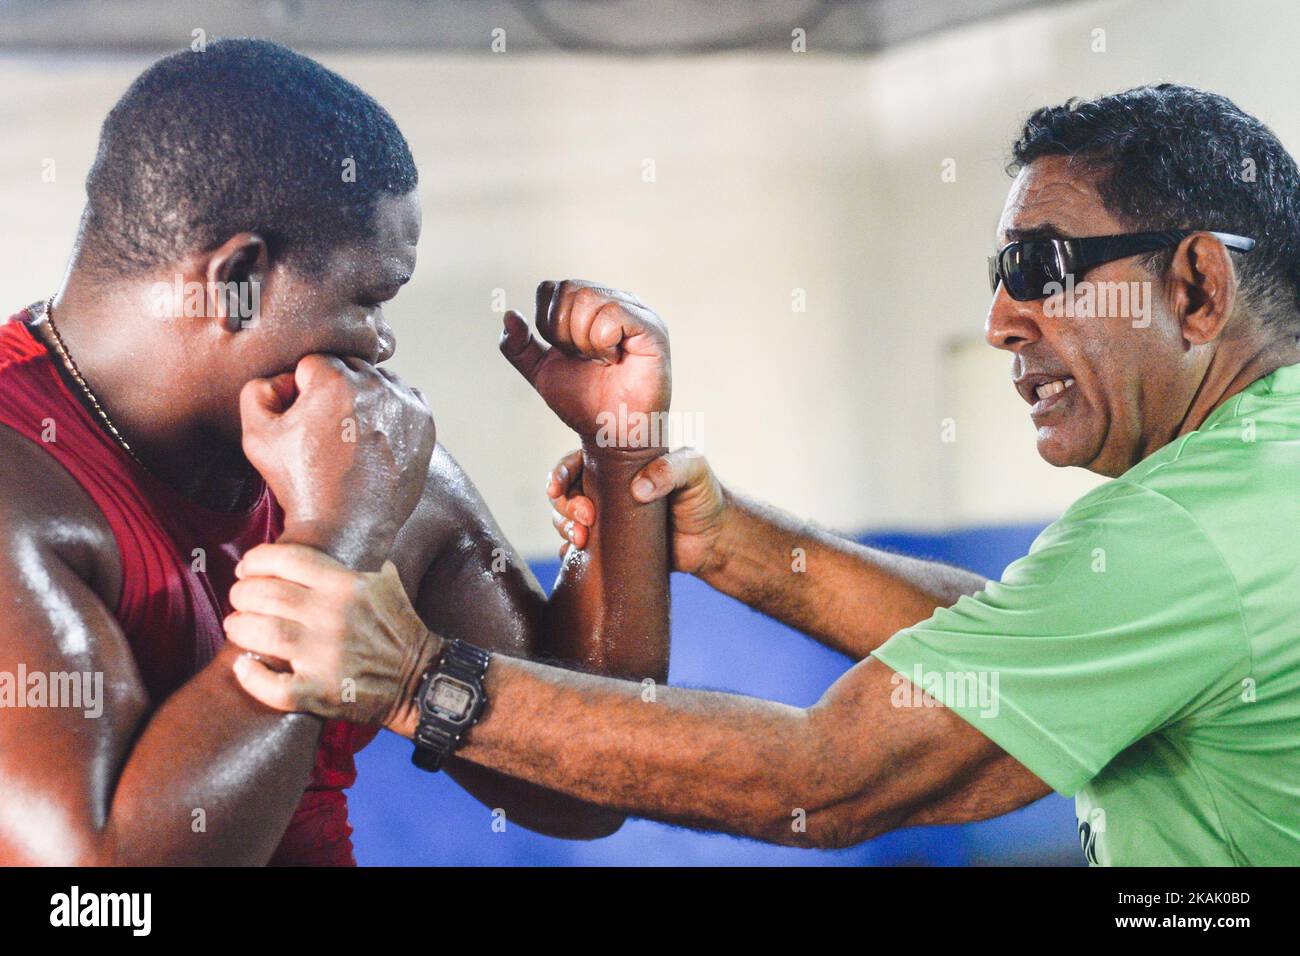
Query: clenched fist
345, 448
608, 357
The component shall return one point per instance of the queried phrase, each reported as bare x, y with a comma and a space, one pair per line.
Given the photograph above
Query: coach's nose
1011, 325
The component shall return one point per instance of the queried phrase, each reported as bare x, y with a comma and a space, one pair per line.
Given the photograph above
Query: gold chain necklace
71, 366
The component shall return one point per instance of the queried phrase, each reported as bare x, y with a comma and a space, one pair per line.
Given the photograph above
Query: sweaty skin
851, 766
121, 789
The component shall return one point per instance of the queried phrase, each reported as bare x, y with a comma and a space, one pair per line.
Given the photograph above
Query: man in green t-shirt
1143, 656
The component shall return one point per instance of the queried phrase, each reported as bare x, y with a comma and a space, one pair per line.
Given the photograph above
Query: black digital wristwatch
451, 700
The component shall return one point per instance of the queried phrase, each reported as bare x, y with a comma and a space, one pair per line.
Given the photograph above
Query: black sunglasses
1026, 267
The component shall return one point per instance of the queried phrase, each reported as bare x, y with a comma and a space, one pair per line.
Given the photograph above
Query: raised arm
608, 612
479, 589
605, 373
848, 596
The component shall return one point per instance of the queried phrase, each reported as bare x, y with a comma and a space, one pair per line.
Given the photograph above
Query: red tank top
178, 563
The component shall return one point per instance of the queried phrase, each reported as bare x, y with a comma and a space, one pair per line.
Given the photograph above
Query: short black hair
242, 135
1174, 157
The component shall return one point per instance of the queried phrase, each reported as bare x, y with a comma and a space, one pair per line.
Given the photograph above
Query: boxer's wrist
634, 456
404, 715
350, 545
607, 472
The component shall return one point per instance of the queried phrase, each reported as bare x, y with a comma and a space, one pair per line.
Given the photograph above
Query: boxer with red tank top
145, 445
178, 560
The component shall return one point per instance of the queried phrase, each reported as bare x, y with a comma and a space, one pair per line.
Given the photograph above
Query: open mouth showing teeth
1049, 389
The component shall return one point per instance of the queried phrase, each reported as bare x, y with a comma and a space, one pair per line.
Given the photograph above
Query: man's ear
1202, 284
234, 275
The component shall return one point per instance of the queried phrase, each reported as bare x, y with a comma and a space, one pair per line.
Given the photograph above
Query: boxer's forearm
213, 779
847, 596
608, 613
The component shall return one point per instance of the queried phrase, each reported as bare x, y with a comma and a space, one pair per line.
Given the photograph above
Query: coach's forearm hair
850, 597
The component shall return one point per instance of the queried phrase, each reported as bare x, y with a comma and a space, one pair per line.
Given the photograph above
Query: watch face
449, 696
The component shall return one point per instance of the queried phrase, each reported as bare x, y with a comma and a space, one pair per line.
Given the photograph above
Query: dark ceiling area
617, 27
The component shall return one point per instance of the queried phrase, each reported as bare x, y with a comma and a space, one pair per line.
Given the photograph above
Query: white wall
773, 173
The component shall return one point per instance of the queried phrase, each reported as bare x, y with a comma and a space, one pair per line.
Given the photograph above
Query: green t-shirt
1145, 655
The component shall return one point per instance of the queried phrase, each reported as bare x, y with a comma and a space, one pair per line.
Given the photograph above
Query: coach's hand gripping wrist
702, 516
355, 647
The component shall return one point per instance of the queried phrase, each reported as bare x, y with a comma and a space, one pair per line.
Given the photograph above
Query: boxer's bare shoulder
42, 508
59, 577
